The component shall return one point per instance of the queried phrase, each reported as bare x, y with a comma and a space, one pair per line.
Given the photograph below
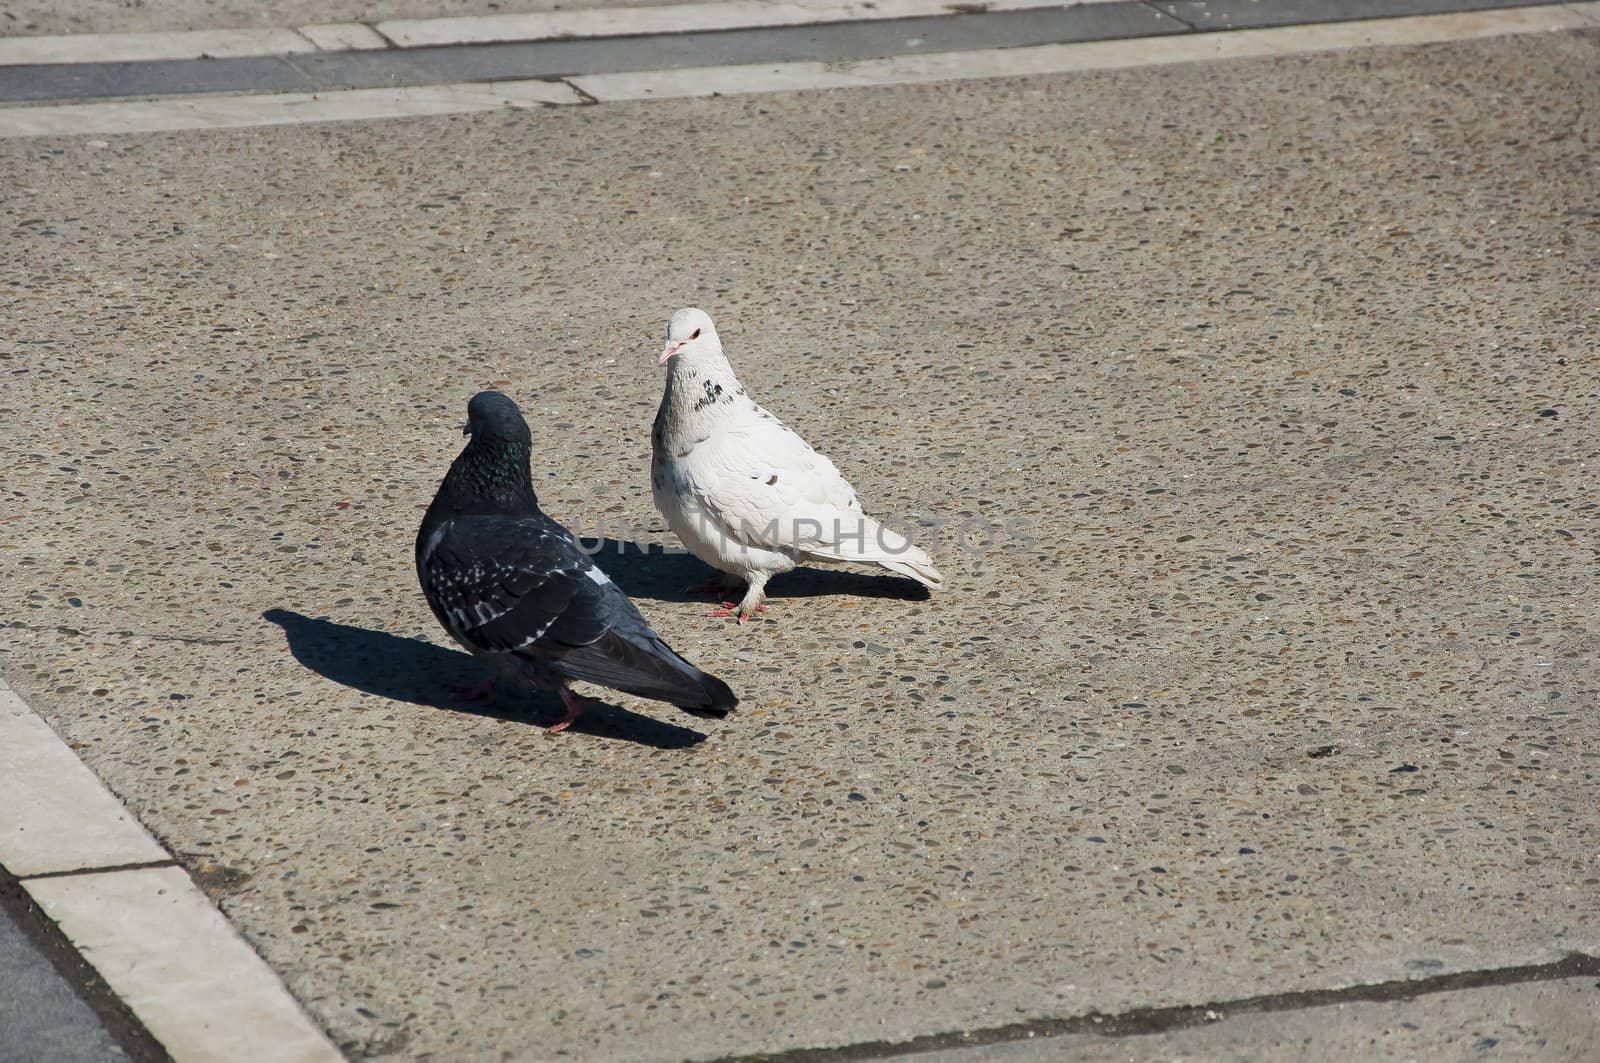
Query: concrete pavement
1267, 375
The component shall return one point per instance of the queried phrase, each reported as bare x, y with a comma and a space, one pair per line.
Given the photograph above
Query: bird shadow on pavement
404, 669
646, 570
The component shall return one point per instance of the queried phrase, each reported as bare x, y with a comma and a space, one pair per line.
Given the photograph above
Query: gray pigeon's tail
665, 676
641, 664
719, 699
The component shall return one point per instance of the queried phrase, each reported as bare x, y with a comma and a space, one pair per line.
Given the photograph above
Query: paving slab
344, 37
82, 825
436, 21
43, 17
93, 48
282, 108
685, 17
629, 20
166, 951
1265, 378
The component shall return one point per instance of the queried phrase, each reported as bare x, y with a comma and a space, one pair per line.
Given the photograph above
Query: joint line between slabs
390, 44
584, 98
1140, 1021
109, 869
1188, 27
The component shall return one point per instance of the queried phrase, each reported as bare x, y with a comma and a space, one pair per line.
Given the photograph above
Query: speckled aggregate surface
1275, 379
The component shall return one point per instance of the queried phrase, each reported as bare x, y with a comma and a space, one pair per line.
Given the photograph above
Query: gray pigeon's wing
522, 585
498, 584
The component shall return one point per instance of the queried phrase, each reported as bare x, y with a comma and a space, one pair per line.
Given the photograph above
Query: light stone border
240, 110
135, 47
223, 111
135, 916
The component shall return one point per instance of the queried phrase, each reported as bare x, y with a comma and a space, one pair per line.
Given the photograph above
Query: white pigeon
745, 493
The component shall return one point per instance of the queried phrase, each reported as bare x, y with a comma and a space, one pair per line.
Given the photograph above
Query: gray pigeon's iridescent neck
491, 476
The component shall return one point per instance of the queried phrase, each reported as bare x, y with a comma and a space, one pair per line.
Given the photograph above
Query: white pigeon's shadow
646, 570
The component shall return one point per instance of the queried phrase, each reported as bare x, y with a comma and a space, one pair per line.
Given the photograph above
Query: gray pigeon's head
689, 331
492, 416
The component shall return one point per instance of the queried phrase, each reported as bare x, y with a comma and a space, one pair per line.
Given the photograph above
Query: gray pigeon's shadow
645, 570
422, 673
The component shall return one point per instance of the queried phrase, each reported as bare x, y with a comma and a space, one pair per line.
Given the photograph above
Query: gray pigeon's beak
466, 429
673, 346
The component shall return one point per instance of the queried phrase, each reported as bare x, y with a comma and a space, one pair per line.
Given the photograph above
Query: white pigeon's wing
816, 479
756, 482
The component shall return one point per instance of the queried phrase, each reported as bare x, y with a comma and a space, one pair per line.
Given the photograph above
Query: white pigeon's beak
672, 348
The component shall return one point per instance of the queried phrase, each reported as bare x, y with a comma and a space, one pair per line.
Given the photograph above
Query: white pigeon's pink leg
576, 705
481, 692
731, 608
751, 603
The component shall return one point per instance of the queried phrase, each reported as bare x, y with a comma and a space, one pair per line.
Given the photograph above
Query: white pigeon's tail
920, 570
854, 537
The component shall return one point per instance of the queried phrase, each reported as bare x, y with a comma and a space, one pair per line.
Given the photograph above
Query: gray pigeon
514, 587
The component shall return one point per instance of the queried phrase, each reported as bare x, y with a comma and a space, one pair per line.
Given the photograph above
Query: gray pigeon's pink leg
482, 692
576, 705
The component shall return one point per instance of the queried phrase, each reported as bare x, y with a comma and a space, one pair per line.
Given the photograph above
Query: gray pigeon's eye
695, 334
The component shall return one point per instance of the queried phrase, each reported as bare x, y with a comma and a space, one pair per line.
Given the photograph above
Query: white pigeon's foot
481, 692
576, 705
755, 596
731, 609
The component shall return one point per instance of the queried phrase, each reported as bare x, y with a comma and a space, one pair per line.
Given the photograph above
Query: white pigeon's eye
695, 334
